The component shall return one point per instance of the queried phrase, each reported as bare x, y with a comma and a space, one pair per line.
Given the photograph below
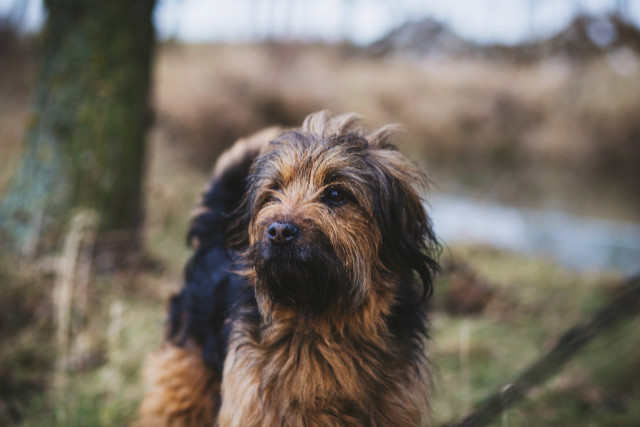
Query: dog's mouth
302, 273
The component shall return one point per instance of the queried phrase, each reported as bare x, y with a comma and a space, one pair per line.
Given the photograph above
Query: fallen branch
625, 303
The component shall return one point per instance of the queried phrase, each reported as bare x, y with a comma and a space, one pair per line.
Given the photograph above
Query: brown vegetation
552, 112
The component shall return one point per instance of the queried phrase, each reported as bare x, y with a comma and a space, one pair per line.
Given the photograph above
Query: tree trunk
84, 146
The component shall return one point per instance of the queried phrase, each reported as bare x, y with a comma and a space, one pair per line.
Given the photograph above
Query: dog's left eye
335, 196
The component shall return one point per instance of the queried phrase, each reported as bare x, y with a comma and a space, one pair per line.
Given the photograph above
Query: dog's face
331, 219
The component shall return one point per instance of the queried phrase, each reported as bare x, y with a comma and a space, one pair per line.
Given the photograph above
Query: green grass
109, 395
103, 395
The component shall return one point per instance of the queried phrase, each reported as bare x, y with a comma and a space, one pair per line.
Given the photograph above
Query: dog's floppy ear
408, 241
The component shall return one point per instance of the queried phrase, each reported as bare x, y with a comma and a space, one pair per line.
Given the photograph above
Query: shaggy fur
303, 303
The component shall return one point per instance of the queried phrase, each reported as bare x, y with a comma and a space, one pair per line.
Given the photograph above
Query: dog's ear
409, 243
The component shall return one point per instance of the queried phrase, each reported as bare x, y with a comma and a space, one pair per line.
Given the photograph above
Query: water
579, 243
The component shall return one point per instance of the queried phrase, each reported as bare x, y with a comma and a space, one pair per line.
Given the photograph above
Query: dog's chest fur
287, 374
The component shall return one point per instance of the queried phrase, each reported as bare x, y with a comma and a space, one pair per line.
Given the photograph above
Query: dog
304, 302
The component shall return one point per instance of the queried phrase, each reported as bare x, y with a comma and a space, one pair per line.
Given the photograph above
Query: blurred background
525, 115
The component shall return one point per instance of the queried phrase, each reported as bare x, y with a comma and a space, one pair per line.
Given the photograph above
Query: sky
359, 21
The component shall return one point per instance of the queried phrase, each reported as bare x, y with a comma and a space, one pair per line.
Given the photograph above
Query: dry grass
555, 112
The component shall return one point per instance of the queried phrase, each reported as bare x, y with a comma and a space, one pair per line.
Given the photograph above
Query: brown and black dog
304, 298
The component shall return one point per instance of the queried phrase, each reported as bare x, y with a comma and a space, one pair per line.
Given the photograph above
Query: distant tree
84, 145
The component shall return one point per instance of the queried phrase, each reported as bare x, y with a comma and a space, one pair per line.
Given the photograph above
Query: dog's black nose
282, 232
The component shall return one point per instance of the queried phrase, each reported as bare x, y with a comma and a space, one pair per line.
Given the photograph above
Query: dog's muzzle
297, 267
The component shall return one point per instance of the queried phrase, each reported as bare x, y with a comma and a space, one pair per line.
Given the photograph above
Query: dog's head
333, 213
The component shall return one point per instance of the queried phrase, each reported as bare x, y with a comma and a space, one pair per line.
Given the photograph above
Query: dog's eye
275, 187
272, 194
335, 196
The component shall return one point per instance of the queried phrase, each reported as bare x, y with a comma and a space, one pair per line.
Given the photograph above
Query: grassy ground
205, 97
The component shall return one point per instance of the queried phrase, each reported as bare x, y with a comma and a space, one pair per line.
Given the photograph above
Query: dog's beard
309, 278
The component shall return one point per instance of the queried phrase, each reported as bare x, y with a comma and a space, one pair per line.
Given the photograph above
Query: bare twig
115, 328
625, 303
64, 286
83, 272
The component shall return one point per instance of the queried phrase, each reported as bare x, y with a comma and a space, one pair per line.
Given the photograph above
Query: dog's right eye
335, 196
274, 191
275, 187
272, 194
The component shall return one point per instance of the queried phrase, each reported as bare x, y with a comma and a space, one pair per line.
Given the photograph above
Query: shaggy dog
303, 303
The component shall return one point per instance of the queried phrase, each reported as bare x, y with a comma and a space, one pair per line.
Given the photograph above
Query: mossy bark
84, 145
